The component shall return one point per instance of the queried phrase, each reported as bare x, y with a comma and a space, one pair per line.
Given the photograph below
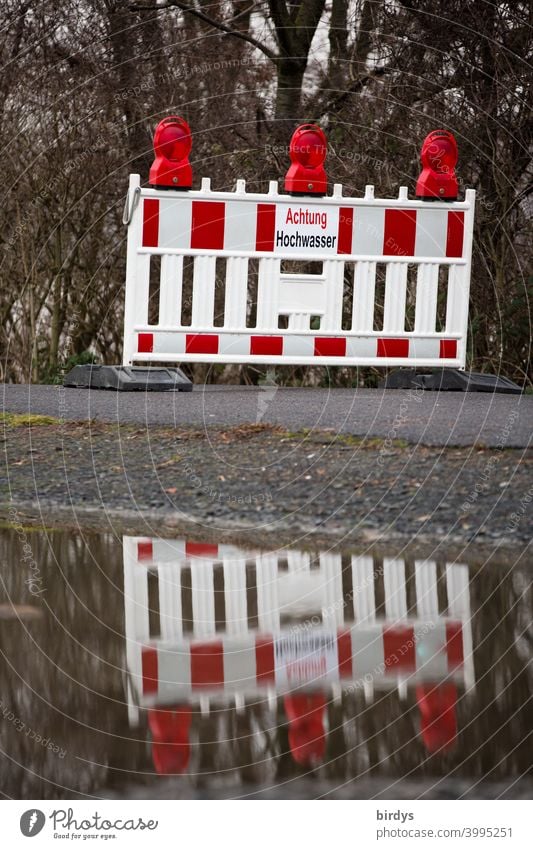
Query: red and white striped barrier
292, 660
211, 228
287, 228
192, 636
154, 551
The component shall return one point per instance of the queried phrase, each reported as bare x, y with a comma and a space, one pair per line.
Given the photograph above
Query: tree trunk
295, 30
338, 41
55, 329
290, 74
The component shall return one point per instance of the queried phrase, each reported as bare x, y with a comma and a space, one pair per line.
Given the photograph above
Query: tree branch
335, 103
184, 7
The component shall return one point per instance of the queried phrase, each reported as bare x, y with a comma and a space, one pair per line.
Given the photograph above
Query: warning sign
306, 227
304, 658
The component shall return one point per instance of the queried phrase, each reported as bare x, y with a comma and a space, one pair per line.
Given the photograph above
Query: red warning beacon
438, 727
306, 714
171, 168
171, 746
439, 158
306, 175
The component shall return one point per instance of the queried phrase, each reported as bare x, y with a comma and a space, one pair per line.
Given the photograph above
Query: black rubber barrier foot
449, 380
128, 379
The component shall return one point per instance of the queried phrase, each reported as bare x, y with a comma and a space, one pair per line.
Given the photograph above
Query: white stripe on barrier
431, 232
368, 657
240, 667
174, 228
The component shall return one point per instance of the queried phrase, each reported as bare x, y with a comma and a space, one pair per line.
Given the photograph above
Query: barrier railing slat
170, 293
427, 284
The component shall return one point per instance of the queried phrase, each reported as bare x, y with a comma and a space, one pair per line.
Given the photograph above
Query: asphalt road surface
426, 418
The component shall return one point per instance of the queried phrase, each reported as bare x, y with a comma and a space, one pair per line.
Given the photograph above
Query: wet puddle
164, 668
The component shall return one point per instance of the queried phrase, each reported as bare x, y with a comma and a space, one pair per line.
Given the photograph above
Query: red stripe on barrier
150, 223
399, 648
145, 550
200, 549
344, 241
400, 232
207, 665
455, 234
344, 653
393, 348
266, 345
266, 224
330, 347
208, 218
448, 349
201, 343
264, 660
150, 672
454, 644
145, 343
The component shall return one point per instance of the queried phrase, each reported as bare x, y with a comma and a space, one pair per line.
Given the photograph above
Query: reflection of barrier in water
213, 623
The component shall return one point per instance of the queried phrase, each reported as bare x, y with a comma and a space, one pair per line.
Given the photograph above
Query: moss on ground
27, 420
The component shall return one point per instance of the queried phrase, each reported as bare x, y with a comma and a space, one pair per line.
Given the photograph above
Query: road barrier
422, 250
213, 624
296, 278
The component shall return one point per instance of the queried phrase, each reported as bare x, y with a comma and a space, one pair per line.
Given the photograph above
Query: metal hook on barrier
127, 214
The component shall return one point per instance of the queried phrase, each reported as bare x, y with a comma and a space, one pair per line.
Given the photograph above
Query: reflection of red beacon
307, 736
171, 748
171, 168
439, 158
306, 175
437, 705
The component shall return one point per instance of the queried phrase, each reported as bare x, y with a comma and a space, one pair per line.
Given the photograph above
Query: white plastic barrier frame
241, 226
425, 645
